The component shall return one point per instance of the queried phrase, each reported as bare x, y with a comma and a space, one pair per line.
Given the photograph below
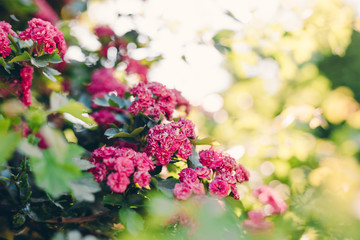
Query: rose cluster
44, 33
226, 172
165, 140
118, 165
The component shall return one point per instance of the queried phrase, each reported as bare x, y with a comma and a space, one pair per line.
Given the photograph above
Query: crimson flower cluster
153, 99
226, 173
102, 82
43, 32
165, 140
189, 182
117, 165
26, 74
5, 29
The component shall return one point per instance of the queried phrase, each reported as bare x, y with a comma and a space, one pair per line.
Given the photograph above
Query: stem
12, 40
5, 178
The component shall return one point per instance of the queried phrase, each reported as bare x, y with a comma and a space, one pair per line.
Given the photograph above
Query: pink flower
124, 165
182, 191
256, 222
219, 188
188, 175
134, 66
5, 48
99, 172
102, 31
241, 174
197, 187
203, 172
43, 32
153, 99
26, 73
118, 182
164, 140
181, 101
267, 195
103, 117
45, 11
27, 97
104, 81
7, 28
142, 178
210, 158
143, 162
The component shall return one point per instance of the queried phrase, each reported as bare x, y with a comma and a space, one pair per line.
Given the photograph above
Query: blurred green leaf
54, 168
8, 143
132, 220
113, 199
167, 186
84, 188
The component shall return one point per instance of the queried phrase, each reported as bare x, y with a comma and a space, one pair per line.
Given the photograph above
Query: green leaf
84, 188
134, 133
114, 132
49, 76
132, 220
194, 159
113, 199
8, 143
39, 63
4, 125
101, 102
59, 103
167, 186
204, 141
25, 56
2, 62
54, 168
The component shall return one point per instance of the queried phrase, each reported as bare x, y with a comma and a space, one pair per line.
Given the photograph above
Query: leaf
132, 220
25, 56
113, 199
4, 125
57, 100
83, 164
194, 159
111, 132
101, 102
204, 141
8, 143
84, 188
54, 168
50, 72
167, 186
38, 62
13, 17
77, 110
134, 133
2, 62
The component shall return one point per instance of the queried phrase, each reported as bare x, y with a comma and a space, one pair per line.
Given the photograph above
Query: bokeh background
276, 83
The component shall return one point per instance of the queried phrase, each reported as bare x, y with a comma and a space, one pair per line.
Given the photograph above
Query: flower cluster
269, 196
257, 221
165, 140
189, 182
103, 81
134, 66
152, 99
117, 165
26, 76
5, 29
44, 33
227, 172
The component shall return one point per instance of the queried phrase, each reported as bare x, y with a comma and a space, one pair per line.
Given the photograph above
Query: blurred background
276, 83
